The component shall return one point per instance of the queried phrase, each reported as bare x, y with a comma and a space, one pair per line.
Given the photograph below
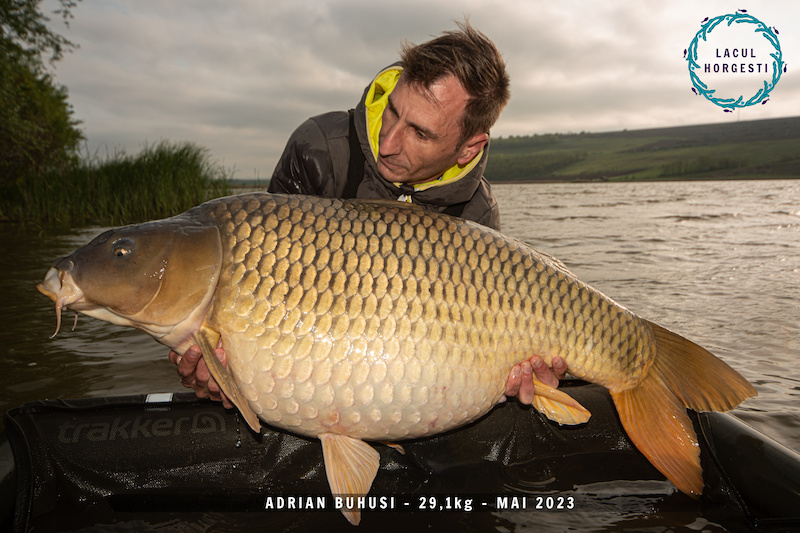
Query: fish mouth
59, 286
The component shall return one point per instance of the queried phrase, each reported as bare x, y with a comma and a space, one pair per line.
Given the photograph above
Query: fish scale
352, 320
390, 322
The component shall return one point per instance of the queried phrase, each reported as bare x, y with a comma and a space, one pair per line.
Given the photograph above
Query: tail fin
653, 413
701, 380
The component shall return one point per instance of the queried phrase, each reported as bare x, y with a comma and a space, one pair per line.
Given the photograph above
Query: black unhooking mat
175, 463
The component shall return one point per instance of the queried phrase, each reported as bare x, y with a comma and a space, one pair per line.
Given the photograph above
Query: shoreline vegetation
167, 178
160, 181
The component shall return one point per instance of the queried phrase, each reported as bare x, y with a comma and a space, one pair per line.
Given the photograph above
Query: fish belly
387, 322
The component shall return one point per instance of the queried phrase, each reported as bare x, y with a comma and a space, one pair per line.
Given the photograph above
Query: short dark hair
475, 61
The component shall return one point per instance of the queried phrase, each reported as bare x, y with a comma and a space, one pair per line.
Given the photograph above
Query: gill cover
156, 273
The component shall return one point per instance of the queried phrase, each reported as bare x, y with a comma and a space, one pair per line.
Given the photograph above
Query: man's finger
201, 373
526, 389
543, 372
226, 403
187, 363
513, 381
559, 368
220, 352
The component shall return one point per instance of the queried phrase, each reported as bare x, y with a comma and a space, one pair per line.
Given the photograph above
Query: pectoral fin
351, 465
207, 339
558, 406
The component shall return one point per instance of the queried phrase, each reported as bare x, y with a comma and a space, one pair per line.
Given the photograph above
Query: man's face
420, 131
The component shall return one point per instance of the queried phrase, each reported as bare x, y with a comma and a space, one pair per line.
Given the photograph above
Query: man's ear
472, 147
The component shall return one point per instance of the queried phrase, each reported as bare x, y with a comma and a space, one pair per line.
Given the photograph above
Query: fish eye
122, 247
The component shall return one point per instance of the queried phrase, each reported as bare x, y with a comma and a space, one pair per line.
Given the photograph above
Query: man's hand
520, 379
195, 375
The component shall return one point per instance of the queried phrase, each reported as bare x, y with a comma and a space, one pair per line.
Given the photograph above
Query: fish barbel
355, 321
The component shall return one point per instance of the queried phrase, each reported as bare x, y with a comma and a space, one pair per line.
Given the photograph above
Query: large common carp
355, 321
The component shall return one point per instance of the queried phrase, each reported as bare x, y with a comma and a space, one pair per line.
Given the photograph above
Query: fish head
158, 276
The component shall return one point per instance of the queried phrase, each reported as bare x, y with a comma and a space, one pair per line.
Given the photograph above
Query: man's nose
389, 140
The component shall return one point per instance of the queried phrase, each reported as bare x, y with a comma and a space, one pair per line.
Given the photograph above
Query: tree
37, 130
24, 31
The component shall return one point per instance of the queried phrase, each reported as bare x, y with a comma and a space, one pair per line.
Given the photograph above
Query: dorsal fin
384, 202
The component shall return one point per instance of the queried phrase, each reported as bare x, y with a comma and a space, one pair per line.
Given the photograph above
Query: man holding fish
360, 320
420, 134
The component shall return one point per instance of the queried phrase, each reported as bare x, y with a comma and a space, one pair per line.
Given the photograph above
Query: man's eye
421, 135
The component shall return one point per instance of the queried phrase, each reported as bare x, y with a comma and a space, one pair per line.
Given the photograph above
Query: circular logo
735, 60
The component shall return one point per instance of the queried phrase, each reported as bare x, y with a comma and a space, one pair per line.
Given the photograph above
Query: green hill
739, 150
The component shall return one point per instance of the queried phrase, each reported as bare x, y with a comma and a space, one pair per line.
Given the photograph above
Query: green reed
162, 180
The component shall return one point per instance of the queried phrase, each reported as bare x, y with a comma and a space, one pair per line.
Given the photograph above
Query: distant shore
758, 149
631, 180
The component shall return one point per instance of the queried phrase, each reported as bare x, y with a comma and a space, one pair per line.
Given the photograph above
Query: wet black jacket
329, 155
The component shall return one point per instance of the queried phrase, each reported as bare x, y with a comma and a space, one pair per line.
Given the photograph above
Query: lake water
718, 262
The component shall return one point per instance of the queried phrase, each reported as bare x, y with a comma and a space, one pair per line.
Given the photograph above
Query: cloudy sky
237, 76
